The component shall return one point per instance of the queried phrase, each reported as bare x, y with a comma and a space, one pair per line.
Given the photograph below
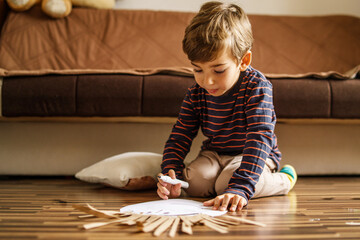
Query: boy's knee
200, 185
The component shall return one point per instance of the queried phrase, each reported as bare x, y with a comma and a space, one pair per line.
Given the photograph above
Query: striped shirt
240, 122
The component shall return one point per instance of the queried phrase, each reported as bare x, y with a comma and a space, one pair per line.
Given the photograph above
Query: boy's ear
245, 61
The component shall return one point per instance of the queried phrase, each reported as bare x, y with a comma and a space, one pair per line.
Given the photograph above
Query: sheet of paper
171, 207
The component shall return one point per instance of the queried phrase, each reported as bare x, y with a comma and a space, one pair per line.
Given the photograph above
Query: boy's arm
180, 140
261, 119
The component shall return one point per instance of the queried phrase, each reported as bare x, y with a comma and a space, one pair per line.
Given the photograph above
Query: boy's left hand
227, 200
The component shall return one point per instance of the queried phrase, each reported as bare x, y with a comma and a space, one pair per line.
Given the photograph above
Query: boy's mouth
212, 91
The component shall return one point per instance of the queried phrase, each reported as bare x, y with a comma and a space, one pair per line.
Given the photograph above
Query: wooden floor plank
41, 208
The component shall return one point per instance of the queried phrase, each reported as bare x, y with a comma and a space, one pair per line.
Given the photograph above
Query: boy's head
216, 28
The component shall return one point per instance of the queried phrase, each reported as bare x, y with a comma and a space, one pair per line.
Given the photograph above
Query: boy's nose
208, 80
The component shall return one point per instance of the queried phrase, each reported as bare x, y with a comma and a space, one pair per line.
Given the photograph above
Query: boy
233, 105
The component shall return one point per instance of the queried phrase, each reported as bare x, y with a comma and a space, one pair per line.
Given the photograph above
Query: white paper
171, 207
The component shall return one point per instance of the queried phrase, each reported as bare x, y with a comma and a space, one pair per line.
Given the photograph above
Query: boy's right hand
167, 190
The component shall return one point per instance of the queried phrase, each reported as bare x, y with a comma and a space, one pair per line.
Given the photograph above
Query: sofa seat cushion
302, 98
69, 95
161, 95
345, 96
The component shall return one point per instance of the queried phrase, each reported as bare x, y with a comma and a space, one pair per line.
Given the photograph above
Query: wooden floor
41, 208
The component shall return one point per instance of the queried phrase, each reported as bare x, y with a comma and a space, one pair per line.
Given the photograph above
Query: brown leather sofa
140, 72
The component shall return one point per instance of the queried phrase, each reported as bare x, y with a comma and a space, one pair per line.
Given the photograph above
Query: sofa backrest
115, 40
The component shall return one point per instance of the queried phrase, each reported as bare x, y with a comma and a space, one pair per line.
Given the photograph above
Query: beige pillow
128, 171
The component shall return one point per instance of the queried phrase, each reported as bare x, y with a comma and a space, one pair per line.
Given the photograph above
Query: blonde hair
216, 27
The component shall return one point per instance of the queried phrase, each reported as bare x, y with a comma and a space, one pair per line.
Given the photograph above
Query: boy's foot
291, 174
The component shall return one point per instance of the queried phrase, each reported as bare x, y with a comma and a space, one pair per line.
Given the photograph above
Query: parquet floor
41, 208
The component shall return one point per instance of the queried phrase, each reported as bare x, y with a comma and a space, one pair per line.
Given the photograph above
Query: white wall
273, 7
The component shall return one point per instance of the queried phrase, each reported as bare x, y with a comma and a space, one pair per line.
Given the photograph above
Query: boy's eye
219, 71
197, 70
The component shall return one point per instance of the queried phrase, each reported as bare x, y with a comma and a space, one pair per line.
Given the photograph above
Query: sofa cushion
302, 98
163, 94
128, 171
345, 98
39, 96
109, 95
68, 95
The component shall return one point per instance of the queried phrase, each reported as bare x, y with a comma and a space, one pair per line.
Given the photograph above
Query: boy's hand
167, 190
227, 200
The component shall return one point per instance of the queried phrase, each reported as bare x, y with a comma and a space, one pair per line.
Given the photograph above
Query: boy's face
217, 77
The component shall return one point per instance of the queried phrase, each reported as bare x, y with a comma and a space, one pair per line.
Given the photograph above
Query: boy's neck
235, 88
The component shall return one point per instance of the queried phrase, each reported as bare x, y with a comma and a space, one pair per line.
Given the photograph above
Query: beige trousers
209, 175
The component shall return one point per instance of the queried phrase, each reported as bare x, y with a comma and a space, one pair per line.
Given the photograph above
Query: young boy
232, 103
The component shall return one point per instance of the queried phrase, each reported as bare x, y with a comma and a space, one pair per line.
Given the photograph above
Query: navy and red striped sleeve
260, 138
180, 140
